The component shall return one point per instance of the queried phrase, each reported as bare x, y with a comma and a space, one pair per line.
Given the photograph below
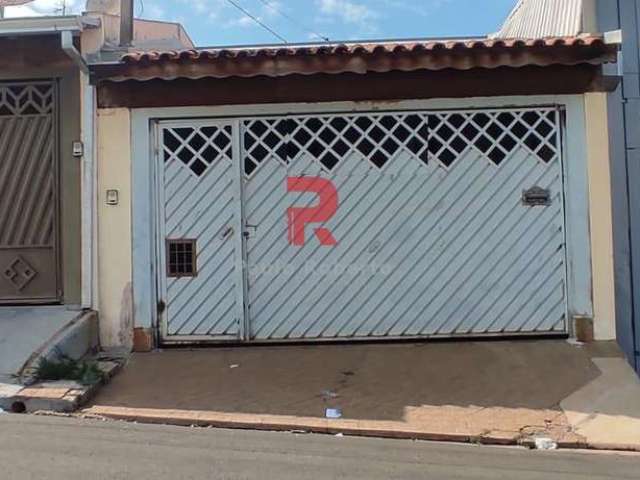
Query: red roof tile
360, 58
360, 49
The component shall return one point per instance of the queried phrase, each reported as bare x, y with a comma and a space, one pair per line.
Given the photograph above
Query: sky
219, 22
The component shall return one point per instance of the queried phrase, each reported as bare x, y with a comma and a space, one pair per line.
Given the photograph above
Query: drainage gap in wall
18, 407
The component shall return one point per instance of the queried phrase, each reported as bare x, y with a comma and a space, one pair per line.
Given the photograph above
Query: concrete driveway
24, 330
501, 392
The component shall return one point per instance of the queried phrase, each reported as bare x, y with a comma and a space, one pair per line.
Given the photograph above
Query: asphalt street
36, 447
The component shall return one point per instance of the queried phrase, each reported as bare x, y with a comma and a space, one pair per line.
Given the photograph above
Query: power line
258, 21
300, 25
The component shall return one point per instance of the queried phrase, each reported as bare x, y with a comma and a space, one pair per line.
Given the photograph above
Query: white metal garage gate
362, 225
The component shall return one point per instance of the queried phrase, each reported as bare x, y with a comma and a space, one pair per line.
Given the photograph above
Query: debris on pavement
545, 443
327, 394
235, 365
333, 413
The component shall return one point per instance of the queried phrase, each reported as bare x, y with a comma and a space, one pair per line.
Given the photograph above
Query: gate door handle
227, 233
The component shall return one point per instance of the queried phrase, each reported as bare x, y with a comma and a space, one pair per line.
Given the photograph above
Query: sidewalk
24, 330
489, 392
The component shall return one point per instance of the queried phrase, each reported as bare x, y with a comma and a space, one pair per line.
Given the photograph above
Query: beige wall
589, 16
114, 228
146, 33
600, 216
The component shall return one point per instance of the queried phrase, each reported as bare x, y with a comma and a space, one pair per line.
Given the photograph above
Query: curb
610, 447
329, 427
275, 426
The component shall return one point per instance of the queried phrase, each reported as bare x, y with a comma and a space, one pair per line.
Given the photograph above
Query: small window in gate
181, 258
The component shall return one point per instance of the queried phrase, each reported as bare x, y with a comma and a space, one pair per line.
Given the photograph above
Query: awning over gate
405, 56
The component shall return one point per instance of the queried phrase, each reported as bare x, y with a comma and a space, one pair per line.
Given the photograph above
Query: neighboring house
532, 18
624, 119
40, 195
47, 113
549, 18
378, 190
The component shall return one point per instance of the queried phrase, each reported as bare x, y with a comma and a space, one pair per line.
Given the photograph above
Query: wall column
600, 202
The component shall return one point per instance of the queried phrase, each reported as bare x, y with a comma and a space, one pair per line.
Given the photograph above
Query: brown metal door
28, 193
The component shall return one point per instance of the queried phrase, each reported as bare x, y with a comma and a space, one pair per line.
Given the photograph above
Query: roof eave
358, 59
12, 27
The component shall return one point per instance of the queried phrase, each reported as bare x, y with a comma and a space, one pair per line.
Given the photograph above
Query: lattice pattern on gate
26, 99
198, 147
437, 136
379, 138
330, 138
494, 134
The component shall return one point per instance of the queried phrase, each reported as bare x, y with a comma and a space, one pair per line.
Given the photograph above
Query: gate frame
578, 287
57, 194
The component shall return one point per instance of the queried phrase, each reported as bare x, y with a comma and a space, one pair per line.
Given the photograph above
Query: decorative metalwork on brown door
28, 193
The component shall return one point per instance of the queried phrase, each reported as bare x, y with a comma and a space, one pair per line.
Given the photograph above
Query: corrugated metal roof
543, 18
360, 58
